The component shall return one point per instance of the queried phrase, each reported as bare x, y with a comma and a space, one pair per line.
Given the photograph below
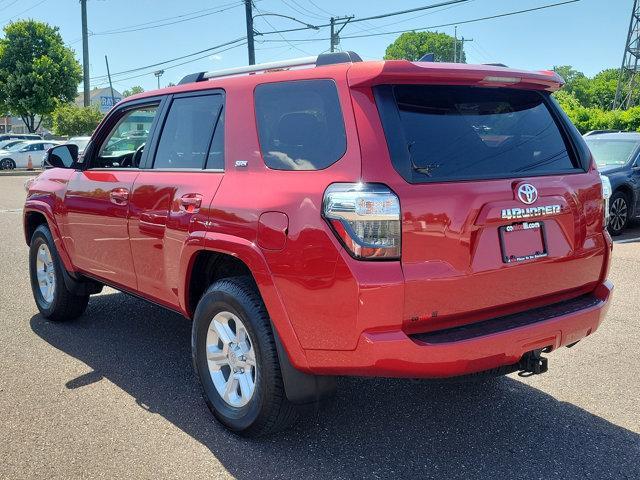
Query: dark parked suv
618, 158
383, 218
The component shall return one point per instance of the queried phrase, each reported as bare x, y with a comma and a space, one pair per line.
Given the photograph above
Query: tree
596, 92
413, 45
132, 91
71, 120
37, 71
568, 73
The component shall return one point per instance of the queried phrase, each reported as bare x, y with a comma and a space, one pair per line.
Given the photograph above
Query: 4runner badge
529, 212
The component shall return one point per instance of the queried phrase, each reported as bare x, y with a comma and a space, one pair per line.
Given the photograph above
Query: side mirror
61, 156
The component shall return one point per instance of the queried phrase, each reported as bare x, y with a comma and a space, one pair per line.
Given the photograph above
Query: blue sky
588, 34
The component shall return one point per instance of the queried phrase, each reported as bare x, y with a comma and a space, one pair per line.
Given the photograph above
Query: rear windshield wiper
427, 169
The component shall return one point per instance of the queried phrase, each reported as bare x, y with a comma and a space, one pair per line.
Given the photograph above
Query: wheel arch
37, 213
207, 257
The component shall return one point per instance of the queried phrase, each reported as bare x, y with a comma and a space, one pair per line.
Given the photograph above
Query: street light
158, 74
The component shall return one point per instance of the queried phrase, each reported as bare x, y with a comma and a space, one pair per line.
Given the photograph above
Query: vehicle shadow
630, 235
374, 428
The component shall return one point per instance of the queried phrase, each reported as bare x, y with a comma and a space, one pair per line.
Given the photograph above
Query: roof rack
318, 61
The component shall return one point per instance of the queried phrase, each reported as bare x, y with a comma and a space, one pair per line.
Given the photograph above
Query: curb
19, 173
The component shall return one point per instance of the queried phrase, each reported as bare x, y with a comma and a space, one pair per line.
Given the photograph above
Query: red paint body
336, 314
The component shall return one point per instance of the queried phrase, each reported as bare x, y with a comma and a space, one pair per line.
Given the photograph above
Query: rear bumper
395, 354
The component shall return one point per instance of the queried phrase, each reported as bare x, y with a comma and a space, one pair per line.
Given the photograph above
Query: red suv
384, 218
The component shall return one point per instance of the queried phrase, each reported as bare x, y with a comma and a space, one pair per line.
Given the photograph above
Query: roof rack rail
318, 61
496, 65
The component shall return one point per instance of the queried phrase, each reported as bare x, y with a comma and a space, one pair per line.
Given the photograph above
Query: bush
593, 118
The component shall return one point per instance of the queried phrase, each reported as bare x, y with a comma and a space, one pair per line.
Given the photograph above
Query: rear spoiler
403, 71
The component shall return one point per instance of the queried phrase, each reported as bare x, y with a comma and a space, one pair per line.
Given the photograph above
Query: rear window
443, 133
300, 124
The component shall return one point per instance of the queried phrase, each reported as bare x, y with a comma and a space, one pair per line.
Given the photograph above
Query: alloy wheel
45, 272
618, 214
231, 359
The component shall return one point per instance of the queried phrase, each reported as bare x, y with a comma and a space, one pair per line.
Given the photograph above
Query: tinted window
300, 124
457, 133
187, 132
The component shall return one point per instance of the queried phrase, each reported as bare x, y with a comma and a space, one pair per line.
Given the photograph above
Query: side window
125, 143
187, 133
300, 124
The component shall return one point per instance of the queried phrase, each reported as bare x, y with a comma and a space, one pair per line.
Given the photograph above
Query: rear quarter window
448, 133
300, 124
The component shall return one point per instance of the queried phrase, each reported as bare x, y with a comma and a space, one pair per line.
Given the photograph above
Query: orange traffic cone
29, 163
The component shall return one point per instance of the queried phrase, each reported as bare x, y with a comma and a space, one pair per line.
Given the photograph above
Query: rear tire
50, 292
251, 401
618, 213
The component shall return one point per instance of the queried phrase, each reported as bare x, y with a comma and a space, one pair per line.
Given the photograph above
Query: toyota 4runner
328, 216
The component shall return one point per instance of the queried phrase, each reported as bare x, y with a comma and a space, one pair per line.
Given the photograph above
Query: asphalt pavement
112, 395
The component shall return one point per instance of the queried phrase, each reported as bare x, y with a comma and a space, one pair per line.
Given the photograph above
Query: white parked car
4, 144
18, 155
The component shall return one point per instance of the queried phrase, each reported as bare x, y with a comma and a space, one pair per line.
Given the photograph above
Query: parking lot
113, 395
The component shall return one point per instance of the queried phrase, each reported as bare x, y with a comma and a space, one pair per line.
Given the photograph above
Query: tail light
366, 218
606, 194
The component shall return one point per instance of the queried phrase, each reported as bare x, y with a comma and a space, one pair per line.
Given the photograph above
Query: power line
461, 22
132, 70
149, 25
24, 11
159, 20
375, 17
176, 65
281, 36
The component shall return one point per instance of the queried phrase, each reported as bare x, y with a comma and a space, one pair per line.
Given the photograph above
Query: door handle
191, 202
119, 196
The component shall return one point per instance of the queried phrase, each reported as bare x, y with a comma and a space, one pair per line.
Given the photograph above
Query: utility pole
629, 69
455, 44
335, 36
113, 98
248, 7
462, 40
85, 53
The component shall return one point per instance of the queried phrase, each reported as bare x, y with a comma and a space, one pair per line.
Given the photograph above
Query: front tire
618, 213
7, 164
50, 292
235, 359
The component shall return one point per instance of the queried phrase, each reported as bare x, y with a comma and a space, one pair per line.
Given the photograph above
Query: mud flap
302, 388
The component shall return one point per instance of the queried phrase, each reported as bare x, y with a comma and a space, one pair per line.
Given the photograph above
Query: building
101, 98
10, 124
5, 124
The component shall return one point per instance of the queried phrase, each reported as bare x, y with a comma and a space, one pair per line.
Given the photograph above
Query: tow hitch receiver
532, 363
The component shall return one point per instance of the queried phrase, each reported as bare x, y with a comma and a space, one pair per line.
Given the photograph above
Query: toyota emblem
527, 193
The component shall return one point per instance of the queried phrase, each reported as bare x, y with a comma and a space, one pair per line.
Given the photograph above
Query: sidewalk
19, 172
